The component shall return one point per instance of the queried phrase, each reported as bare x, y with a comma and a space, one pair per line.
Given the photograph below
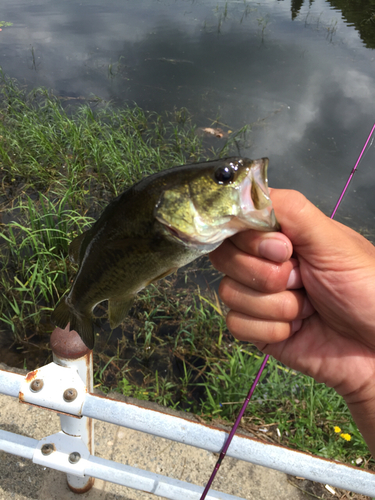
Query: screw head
36, 385
74, 457
70, 395
47, 449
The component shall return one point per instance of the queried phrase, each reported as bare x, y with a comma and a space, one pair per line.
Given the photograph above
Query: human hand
314, 312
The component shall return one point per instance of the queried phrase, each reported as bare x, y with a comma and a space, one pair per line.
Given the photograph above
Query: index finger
271, 246
255, 272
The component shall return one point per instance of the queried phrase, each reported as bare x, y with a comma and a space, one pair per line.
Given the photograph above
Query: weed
50, 148
287, 406
33, 250
128, 389
262, 23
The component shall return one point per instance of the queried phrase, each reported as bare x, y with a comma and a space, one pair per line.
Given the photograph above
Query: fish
156, 226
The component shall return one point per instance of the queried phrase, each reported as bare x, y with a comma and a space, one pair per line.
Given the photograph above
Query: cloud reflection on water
306, 86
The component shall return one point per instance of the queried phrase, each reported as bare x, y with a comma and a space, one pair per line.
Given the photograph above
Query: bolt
70, 395
47, 449
74, 457
36, 385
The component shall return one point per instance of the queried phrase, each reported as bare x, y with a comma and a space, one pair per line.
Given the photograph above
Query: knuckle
298, 200
233, 326
225, 291
274, 280
250, 329
288, 309
278, 332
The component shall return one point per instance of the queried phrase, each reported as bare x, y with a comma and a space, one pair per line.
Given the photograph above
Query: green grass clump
216, 372
35, 269
43, 145
288, 406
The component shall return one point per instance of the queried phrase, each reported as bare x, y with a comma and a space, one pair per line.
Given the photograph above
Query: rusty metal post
70, 351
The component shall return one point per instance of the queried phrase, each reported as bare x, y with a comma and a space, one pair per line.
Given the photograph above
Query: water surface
302, 73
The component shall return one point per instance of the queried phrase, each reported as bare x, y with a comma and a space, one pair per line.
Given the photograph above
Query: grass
58, 168
287, 406
35, 268
44, 146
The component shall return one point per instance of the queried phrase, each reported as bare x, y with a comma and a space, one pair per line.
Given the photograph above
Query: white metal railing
111, 471
63, 386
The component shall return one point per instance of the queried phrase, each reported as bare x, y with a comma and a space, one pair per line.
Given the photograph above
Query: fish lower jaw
188, 240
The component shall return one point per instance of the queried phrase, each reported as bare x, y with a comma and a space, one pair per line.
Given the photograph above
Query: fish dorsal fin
118, 309
75, 248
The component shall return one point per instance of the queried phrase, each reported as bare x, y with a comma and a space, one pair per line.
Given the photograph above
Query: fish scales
158, 225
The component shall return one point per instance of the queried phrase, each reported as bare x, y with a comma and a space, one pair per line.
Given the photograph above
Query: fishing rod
352, 172
266, 357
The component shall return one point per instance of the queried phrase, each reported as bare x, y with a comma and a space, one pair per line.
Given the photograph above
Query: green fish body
156, 226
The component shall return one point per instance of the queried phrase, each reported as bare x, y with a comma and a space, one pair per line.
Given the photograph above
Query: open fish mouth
256, 204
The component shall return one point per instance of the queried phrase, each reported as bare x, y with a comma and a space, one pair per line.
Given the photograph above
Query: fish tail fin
64, 313
83, 324
61, 314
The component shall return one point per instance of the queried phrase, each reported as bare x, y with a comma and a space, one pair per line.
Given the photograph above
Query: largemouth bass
158, 225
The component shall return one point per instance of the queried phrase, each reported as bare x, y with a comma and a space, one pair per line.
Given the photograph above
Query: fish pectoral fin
163, 275
118, 310
75, 247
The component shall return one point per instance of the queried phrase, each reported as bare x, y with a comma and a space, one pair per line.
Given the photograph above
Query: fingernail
274, 249
307, 309
294, 280
296, 325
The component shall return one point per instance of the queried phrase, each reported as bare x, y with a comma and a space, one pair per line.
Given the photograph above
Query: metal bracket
62, 452
56, 387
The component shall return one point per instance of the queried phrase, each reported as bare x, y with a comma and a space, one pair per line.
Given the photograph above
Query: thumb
301, 221
315, 236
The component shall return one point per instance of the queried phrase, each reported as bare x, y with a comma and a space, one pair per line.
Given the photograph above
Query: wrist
362, 396
362, 409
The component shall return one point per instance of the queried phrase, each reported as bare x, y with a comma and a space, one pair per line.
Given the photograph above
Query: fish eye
224, 175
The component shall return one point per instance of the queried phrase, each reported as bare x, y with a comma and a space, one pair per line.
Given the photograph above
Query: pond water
301, 73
